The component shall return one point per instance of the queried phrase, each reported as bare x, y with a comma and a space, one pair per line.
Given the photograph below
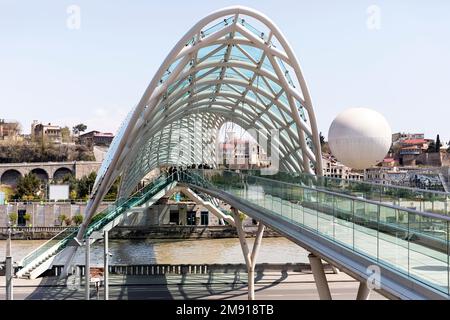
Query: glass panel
428, 256
393, 249
405, 241
343, 229
366, 232
326, 214
310, 208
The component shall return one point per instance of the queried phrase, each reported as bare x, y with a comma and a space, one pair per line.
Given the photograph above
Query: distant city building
96, 138
400, 136
45, 132
423, 178
334, 169
389, 162
241, 153
9, 130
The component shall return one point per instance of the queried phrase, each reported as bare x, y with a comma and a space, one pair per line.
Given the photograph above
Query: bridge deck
422, 265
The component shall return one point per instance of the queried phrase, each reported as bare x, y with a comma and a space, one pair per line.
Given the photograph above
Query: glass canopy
232, 66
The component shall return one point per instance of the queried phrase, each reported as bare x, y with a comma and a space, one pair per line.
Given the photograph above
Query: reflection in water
209, 251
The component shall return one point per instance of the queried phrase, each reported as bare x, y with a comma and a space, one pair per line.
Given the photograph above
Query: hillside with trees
31, 152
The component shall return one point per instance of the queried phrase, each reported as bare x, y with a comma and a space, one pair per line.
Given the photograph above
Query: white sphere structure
359, 137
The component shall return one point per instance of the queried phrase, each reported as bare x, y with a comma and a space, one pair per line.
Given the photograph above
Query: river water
204, 251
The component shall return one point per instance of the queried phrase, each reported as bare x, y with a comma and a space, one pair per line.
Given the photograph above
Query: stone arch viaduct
10, 172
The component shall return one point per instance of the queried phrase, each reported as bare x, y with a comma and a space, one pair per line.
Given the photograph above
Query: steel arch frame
142, 131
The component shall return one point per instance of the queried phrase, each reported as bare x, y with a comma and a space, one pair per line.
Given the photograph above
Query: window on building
174, 216
204, 218
190, 218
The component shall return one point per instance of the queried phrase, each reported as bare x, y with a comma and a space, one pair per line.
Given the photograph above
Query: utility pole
9, 266
87, 269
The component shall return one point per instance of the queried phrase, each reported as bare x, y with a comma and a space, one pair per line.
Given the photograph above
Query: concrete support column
87, 268
363, 291
106, 265
250, 258
319, 277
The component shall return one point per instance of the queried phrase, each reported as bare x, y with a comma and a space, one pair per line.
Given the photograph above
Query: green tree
13, 216
322, 139
27, 217
85, 185
73, 195
65, 134
68, 222
431, 147
73, 185
438, 143
77, 219
62, 218
79, 128
112, 193
28, 186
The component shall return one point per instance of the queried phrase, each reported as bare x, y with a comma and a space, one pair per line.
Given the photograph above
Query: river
205, 251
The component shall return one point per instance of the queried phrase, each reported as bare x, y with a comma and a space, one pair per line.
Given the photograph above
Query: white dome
359, 137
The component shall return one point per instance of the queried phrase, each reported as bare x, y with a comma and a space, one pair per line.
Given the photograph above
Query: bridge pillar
320, 277
363, 291
250, 258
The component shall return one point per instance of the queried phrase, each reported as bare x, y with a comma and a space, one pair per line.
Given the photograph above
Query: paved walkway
268, 286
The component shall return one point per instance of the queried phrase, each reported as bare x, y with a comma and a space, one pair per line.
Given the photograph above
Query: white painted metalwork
234, 65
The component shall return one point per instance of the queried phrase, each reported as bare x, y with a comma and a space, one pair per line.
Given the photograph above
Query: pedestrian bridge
403, 252
236, 66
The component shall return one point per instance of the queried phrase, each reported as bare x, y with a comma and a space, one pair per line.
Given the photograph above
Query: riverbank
138, 232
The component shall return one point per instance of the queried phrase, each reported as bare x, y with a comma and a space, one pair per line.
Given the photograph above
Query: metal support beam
87, 268
335, 270
106, 265
250, 258
363, 291
319, 276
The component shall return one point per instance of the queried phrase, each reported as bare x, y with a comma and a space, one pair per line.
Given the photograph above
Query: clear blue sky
97, 73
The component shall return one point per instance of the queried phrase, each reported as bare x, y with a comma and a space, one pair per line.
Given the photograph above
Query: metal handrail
442, 193
41, 246
383, 204
395, 207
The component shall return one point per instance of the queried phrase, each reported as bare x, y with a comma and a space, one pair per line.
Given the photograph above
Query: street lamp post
106, 265
9, 266
87, 269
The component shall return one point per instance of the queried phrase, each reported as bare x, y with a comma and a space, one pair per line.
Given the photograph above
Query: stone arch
61, 172
42, 174
10, 177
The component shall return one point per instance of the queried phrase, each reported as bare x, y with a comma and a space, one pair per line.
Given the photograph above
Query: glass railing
411, 198
122, 206
410, 242
48, 245
101, 219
